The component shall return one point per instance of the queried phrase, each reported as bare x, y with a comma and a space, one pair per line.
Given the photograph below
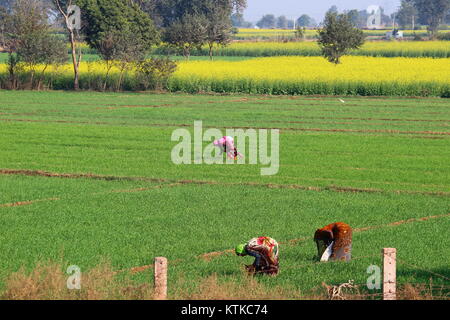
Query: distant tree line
270, 21
411, 14
432, 13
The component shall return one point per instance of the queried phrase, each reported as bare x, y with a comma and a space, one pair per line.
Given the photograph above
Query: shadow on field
422, 276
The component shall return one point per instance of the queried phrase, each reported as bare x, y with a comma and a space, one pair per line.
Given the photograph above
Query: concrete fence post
389, 273
160, 277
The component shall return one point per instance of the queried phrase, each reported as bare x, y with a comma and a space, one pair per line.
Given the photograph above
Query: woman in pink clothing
226, 145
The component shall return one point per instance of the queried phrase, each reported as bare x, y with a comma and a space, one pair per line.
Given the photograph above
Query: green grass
400, 147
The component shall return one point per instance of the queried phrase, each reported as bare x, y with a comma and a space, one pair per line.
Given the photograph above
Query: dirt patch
365, 131
25, 203
355, 123
41, 173
397, 223
204, 182
134, 106
56, 121
211, 255
243, 127
146, 189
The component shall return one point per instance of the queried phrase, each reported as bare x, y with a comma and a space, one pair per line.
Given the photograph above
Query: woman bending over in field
334, 242
226, 145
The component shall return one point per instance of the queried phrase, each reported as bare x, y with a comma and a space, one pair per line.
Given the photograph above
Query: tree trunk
122, 70
11, 69
211, 51
108, 69
186, 52
75, 61
41, 77
32, 79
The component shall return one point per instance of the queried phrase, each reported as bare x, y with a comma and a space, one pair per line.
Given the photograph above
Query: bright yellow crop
436, 49
369, 45
356, 75
292, 69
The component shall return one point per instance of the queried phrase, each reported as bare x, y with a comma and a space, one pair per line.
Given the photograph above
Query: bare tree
68, 11
30, 43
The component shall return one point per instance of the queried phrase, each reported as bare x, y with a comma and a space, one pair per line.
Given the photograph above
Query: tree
219, 28
68, 13
305, 21
166, 12
354, 16
188, 24
290, 24
238, 21
188, 32
338, 36
155, 72
7, 5
300, 33
333, 9
268, 21
30, 42
106, 16
432, 13
407, 14
282, 22
4, 26
122, 33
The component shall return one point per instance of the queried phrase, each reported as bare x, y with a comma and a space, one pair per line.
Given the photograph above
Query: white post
160, 277
389, 273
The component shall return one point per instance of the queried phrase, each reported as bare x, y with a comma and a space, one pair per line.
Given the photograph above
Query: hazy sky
315, 8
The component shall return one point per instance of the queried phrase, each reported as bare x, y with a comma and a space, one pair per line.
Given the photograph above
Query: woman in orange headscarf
334, 242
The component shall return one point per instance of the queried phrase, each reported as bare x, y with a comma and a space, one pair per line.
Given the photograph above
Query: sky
314, 8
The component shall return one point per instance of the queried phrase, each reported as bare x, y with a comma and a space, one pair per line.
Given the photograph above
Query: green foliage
30, 42
191, 24
282, 22
170, 11
444, 36
268, 21
238, 21
407, 14
121, 21
188, 32
4, 26
154, 73
432, 13
95, 219
300, 33
305, 21
338, 36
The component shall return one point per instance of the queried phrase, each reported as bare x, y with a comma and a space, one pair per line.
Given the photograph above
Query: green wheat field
88, 177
